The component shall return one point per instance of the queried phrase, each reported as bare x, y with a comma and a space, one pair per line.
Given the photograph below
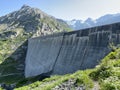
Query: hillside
105, 76
15, 29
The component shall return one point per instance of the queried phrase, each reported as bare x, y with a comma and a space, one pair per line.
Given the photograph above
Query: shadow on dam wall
70, 51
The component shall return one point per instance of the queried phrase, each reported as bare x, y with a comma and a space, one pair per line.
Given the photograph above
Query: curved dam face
68, 52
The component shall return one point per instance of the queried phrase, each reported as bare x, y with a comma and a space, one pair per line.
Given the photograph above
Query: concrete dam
68, 52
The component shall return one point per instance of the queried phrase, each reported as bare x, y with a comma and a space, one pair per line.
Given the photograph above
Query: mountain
32, 20
79, 24
106, 19
15, 29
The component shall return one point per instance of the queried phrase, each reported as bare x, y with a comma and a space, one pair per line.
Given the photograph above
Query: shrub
111, 83
112, 46
117, 63
112, 55
101, 72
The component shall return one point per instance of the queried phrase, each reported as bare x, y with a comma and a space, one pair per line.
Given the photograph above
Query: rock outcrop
68, 52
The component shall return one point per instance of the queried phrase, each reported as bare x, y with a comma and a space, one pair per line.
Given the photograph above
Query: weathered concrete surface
68, 52
41, 55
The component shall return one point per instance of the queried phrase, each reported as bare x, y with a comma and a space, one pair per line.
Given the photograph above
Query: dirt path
96, 86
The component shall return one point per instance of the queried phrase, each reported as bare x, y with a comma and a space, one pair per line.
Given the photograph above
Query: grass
1, 88
108, 72
11, 78
81, 77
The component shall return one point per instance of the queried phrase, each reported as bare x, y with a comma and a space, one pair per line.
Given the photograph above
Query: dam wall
68, 52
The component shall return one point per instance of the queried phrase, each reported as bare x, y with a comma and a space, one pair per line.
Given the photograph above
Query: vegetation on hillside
12, 55
108, 72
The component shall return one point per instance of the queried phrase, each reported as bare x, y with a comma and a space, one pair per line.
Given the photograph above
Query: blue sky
65, 9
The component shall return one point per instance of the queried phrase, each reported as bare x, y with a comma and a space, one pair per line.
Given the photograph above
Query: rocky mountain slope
106, 19
15, 29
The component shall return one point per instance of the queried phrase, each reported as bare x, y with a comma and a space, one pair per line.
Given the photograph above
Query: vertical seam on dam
85, 51
58, 53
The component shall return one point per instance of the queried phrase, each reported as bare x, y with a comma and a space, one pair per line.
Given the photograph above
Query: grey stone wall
70, 51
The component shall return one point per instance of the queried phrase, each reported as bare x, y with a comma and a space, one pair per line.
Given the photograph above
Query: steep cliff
68, 52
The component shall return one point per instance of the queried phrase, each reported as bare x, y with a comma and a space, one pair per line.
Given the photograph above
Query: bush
112, 55
101, 72
117, 63
111, 83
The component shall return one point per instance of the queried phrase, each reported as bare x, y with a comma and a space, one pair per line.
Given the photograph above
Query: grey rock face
68, 52
32, 20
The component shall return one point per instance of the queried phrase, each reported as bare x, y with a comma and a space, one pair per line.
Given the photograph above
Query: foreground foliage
81, 77
108, 72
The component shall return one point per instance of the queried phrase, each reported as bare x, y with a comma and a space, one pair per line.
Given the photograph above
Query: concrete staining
70, 51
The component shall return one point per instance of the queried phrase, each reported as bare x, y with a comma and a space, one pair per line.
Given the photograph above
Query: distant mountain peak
28, 9
106, 19
33, 20
25, 6
89, 19
73, 19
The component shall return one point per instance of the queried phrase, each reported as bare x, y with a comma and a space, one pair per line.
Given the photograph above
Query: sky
65, 9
